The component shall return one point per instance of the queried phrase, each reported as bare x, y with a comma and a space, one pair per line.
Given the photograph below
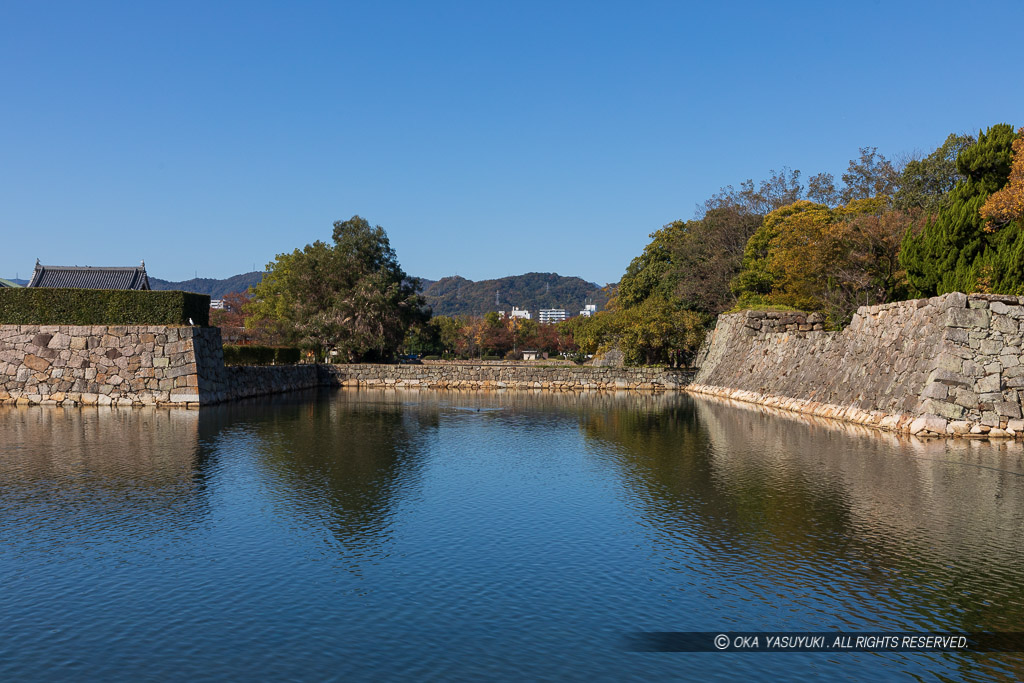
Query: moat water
370, 535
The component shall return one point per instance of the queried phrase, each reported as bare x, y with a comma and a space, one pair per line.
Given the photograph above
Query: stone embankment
99, 364
130, 365
526, 375
150, 365
949, 365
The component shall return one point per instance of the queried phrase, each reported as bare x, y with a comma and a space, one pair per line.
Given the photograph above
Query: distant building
521, 313
551, 315
8, 283
530, 355
589, 310
90, 277
217, 304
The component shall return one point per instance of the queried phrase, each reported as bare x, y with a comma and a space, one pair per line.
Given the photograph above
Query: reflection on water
126, 472
366, 534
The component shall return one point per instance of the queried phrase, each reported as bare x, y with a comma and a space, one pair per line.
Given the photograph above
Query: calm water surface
364, 535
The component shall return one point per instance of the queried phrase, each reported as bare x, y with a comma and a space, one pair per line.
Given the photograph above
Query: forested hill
450, 295
205, 285
459, 296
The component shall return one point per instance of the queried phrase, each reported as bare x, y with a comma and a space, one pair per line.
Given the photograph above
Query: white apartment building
589, 310
551, 315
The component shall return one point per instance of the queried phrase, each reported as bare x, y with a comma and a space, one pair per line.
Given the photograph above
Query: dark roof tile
89, 277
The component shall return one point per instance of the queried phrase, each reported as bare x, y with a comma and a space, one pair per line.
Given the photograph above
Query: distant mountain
532, 291
17, 281
205, 285
450, 295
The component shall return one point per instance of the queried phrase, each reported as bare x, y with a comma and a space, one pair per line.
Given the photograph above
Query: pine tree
955, 251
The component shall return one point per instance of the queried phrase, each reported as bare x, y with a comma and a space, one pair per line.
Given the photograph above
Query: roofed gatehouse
90, 277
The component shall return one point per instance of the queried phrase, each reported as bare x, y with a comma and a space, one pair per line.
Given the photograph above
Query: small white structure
520, 313
217, 304
551, 315
589, 310
530, 355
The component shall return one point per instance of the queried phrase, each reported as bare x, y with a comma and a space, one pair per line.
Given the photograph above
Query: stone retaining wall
508, 376
131, 365
156, 365
98, 364
946, 365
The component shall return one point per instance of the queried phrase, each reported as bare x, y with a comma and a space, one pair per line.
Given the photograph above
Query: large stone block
1007, 409
968, 317
1005, 324
987, 384
928, 423
36, 363
943, 409
950, 378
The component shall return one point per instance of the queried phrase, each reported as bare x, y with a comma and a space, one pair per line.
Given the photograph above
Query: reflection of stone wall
898, 490
946, 365
509, 376
141, 448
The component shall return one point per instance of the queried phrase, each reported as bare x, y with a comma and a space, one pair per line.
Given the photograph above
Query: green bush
492, 358
431, 357
253, 354
287, 355
59, 306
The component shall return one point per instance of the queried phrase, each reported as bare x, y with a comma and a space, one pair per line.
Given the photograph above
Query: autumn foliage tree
1007, 204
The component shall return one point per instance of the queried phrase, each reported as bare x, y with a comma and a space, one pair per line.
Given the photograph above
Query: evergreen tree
351, 296
955, 251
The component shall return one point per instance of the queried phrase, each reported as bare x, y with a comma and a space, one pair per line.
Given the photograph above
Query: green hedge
253, 354
59, 306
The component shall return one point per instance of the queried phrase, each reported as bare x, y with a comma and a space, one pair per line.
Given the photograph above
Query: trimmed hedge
60, 306
253, 354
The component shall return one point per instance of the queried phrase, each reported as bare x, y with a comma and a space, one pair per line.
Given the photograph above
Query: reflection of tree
341, 462
888, 532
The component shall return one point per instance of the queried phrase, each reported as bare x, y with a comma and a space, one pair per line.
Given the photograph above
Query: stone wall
507, 376
98, 364
130, 365
946, 365
150, 365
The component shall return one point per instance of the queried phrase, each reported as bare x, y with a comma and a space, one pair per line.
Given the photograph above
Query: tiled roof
89, 277
8, 283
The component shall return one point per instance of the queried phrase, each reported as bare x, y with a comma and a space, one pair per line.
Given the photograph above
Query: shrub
492, 358
287, 355
60, 306
253, 354
431, 357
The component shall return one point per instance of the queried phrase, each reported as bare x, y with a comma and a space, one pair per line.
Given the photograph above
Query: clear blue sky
488, 138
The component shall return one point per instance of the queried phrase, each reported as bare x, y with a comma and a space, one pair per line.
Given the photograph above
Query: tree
868, 176
658, 332
652, 271
956, 251
782, 262
821, 189
351, 296
709, 257
924, 183
233, 313
1008, 203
